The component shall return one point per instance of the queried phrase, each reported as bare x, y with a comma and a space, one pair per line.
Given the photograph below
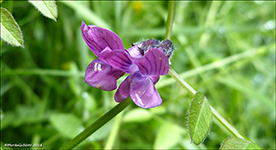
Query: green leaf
199, 118
168, 136
137, 115
237, 143
66, 124
10, 31
47, 8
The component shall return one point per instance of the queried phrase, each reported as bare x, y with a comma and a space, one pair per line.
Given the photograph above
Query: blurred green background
223, 49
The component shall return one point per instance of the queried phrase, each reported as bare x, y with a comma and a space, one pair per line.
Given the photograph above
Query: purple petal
134, 51
143, 93
117, 73
154, 79
119, 59
107, 49
98, 38
101, 75
153, 63
141, 48
123, 91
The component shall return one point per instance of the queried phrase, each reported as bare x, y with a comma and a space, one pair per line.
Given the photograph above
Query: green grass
224, 49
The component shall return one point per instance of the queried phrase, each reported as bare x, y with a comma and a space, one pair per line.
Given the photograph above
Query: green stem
226, 124
170, 19
223, 121
96, 125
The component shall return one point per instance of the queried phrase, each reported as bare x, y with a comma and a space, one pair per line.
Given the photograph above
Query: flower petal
101, 75
143, 93
119, 59
98, 38
154, 79
153, 63
134, 51
123, 91
117, 73
138, 50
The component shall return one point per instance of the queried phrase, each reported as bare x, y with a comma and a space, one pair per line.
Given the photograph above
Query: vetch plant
145, 62
227, 53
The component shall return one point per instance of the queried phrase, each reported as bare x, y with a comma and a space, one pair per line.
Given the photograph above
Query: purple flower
145, 62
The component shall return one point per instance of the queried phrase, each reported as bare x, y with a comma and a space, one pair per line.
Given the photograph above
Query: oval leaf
66, 124
199, 118
47, 8
10, 31
168, 136
237, 143
137, 115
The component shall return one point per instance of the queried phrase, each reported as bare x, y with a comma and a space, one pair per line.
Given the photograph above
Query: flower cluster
144, 62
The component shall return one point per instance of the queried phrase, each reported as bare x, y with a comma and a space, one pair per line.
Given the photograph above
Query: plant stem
223, 121
97, 124
170, 19
226, 124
